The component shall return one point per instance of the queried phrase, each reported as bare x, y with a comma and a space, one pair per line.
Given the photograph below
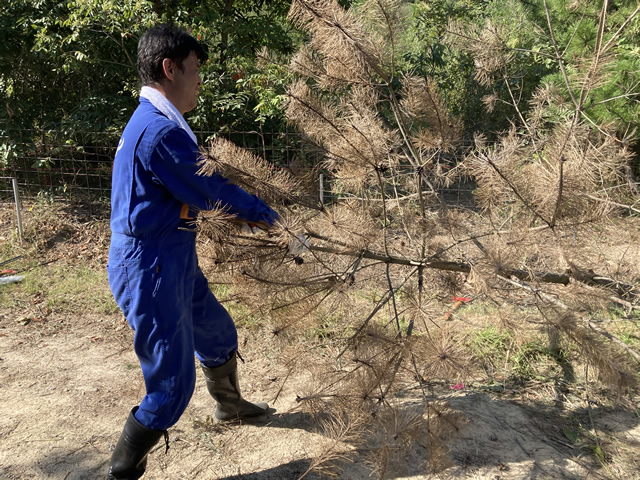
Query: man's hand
298, 245
250, 228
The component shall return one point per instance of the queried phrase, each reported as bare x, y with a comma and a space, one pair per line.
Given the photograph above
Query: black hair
165, 41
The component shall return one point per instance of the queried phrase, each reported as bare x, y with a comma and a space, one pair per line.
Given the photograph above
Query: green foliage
518, 47
430, 54
69, 67
498, 60
250, 94
268, 86
7, 154
612, 96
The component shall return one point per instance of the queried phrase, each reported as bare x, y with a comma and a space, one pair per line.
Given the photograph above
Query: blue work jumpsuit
153, 268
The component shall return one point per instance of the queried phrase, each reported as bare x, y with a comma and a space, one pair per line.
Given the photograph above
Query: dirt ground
67, 384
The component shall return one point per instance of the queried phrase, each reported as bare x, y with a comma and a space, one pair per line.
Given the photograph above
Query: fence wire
78, 166
46, 164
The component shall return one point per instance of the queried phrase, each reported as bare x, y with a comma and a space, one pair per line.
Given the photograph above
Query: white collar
163, 104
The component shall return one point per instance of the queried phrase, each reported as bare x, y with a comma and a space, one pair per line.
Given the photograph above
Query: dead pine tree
362, 293
564, 181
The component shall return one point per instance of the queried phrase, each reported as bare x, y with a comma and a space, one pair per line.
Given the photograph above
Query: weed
241, 314
490, 342
71, 289
63, 289
330, 326
534, 360
501, 354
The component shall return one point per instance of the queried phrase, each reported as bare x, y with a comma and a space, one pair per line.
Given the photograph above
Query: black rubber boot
129, 459
222, 383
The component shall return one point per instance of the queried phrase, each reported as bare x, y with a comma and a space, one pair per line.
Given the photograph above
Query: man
153, 268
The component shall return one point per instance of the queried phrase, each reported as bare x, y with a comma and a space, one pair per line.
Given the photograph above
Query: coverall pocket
133, 282
119, 285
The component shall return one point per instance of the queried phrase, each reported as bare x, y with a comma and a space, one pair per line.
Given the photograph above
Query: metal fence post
16, 196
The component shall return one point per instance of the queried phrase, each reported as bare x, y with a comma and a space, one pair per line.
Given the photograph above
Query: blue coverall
153, 267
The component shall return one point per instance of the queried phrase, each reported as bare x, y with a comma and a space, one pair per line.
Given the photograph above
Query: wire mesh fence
78, 166
45, 163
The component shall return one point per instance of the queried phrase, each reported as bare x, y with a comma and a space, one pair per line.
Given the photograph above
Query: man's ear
169, 68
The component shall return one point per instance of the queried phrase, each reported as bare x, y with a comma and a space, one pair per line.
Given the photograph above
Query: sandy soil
68, 384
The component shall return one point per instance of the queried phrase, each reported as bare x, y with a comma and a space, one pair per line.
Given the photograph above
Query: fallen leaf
571, 435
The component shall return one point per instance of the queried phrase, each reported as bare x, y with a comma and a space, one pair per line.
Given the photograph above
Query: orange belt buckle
184, 212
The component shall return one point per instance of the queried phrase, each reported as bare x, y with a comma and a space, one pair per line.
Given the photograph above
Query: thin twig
377, 308
555, 301
588, 400
558, 55
611, 202
517, 193
393, 298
